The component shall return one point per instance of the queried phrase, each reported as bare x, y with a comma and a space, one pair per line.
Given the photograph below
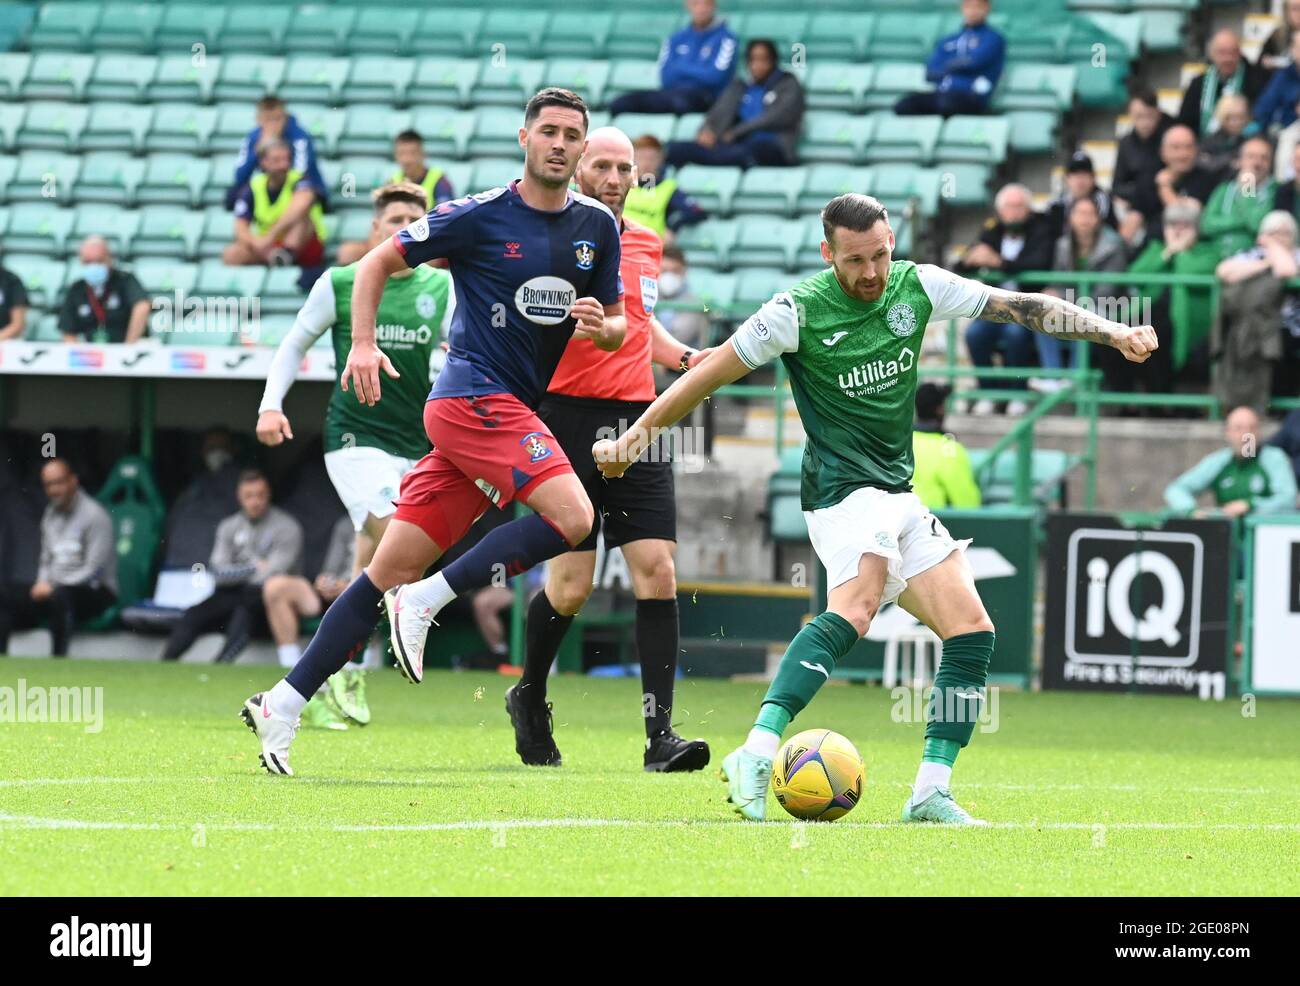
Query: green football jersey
852, 368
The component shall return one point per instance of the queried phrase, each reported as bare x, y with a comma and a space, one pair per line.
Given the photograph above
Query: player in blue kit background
534, 264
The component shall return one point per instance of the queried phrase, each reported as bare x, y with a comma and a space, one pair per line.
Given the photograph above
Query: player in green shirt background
368, 449
850, 338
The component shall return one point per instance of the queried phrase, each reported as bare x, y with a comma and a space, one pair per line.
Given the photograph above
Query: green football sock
806, 666
955, 702
942, 751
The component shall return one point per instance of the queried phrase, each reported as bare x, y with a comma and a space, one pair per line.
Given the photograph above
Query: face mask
96, 275
215, 459
671, 283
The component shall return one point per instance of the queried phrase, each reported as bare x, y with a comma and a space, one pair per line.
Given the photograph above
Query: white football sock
762, 743
433, 592
928, 777
371, 659
289, 654
285, 700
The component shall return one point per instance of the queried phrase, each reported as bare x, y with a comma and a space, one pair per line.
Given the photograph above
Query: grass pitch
1089, 794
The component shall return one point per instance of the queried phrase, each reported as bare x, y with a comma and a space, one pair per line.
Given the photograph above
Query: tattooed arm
1062, 320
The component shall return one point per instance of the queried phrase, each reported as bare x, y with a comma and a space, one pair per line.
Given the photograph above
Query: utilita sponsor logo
75, 940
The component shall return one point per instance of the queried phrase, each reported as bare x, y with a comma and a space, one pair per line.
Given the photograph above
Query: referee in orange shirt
590, 391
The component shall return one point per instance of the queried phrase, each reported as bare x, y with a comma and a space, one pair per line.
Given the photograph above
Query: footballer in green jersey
850, 338
367, 449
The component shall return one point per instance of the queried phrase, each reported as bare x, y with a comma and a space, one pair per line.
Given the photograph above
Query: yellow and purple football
818, 775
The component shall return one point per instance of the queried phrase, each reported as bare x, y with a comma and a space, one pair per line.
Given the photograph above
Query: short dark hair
400, 191
408, 137
648, 140
1147, 97
767, 43
673, 252
554, 96
252, 476
270, 103
852, 211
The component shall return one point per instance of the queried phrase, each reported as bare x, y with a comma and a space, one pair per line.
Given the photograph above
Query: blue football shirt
517, 272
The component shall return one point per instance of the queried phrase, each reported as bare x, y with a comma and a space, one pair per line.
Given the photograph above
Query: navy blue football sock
509, 550
344, 630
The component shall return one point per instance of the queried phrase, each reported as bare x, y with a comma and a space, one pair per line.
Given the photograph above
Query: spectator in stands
1251, 312
1245, 477
77, 575
1277, 48
278, 215
1181, 177
1287, 196
1015, 239
274, 122
1276, 106
1181, 315
251, 546
408, 152
754, 122
942, 475
105, 304
965, 67
1087, 244
684, 315
1219, 149
655, 200
289, 598
13, 305
1080, 183
1137, 163
695, 65
1284, 169
1228, 71
1287, 438
1232, 215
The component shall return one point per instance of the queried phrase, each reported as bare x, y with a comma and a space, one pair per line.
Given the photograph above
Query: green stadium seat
640, 34
766, 241
218, 180
167, 231
255, 28
281, 294
354, 225
578, 34
460, 175
181, 127
116, 127
1037, 87
163, 277
901, 138
964, 184
370, 128
36, 227
247, 78
636, 125
757, 285
42, 277
108, 176
1163, 30
8, 169
310, 78
13, 70
58, 75
713, 188
449, 32
770, 191
12, 116
321, 29
687, 126
52, 126
714, 289
446, 132
360, 176
382, 31
113, 223
496, 172
127, 27
495, 133
1104, 87
184, 25
1032, 131
444, 81
217, 280
120, 78
839, 35
977, 139
785, 28
903, 35
898, 185
1033, 39
586, 77
173, 178
324, 124
838, 86
826, 181
514, 32
64, 26
893, 80
45, 176
43, 327
233, 122
179, 79
510, 84
998, 481
708, 244
629, 75
833, 139
378, 79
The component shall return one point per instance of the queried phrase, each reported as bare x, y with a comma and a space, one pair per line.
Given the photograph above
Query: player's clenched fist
1137, 343
362, 369
609, 458
273, 428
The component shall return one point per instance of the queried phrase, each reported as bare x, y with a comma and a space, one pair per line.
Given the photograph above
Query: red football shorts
486, 450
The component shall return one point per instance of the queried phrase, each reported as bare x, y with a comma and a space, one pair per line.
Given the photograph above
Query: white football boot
409, 629
274, 731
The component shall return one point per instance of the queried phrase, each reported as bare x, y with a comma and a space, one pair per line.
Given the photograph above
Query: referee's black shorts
639, 505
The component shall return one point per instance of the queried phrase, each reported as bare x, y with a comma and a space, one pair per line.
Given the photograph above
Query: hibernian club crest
901, 320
